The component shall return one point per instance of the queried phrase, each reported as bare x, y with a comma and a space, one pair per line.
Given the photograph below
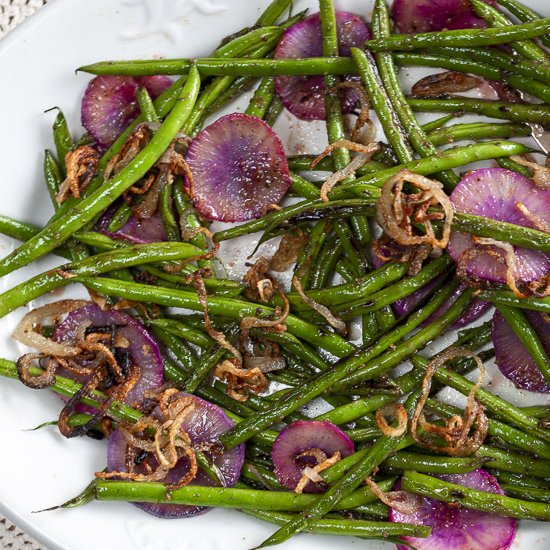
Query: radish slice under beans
109, 104
296, 449
411, 16
458, 528
148, 230
506, 196
511, 357
204, 425
142, 350
304, 96
239, 169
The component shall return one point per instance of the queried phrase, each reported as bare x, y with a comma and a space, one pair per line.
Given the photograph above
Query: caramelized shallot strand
43, 380
81, 165
536, 220
541, 174
364, 113
335, 322
312, 473
509, 258
288, 250
241, 381
399, 412
400, 501
456, 431
345, 143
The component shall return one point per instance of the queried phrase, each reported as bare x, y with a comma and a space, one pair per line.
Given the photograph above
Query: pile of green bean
334, 269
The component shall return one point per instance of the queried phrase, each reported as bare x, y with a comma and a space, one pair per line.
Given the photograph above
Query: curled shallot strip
400, 501
288, 251
43, 380
365, 153
456, 432
396, 210
335, 322
363, 118
241, 381
312, 473
81, 167
535, 219
541, 174
26, 334
399, 412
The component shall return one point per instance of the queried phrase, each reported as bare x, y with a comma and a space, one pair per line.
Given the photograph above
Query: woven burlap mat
12, 13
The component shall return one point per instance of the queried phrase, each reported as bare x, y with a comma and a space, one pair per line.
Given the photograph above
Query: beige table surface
12, 13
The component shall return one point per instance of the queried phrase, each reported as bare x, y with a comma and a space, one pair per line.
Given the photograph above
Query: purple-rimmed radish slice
304, 96
305, 443
412, 16
239, 169
148, 230
141, 349
511, 357
203, 425
109, 104
458, 528
506, 196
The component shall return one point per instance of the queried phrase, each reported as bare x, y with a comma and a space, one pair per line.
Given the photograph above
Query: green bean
386, 114
227, 307
179, 348
381, 28
146, 105
470, 498
437, 123
520, 480
432, 464
181, 330
517, 112
88, 208
317, 237
461, 38
275, 9
323, 269
526, 493
528, 337
208, 361
52, 175
62, 137
169, 222
496, 18
17, 230
304, 210
120, 218
94, 265
524, 14
496, 405
450, 158
262, 98
516, 463
478, 130
508, 298
304, 188
510, 164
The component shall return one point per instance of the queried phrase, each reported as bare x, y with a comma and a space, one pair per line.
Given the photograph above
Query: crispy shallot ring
312, 473
395, 209
240, 381
457, 429
541, 174
43, 380
335, 322
364, 113
401, 501
25, 331
81, 165
397, 410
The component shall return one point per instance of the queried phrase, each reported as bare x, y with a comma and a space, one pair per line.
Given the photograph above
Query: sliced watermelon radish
109, 104
457, 528
142, 350
412, 16
303, 444
304, 96
148, 230
511, 357
239, 169
204, 425
502, 195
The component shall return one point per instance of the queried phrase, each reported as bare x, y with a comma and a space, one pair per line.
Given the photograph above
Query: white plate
40, 469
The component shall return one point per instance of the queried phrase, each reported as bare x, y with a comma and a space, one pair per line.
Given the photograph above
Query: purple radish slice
511, 357
412, 16
239, 169
142, 351
405, 306
455, 527
304, 96
148, 230
204, 425
497, 193
109, 104
303, 436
